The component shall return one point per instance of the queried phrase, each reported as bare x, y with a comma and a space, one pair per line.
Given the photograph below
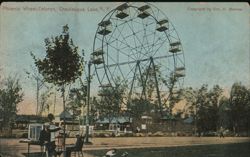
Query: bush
127, 135
158, 134
24, 135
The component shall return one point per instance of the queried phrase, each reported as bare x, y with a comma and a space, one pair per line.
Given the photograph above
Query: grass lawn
218, 150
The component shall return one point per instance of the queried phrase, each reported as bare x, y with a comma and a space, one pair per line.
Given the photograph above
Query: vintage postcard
123, 79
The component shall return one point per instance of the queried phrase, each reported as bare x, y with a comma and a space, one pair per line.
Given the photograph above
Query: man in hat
47, 136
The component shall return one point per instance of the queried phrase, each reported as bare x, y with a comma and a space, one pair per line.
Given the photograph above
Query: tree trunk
64, 120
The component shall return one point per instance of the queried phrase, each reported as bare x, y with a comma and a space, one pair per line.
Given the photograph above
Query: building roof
66, 114
114, 120
188, 120
30, 118
168, 117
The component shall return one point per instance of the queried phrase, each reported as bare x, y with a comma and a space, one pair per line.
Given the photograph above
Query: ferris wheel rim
109, 15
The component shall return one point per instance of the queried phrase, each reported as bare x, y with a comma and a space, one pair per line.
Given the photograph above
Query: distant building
22, 121
71, 123
120, 123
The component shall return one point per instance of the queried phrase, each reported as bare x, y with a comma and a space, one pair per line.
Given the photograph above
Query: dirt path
15, 149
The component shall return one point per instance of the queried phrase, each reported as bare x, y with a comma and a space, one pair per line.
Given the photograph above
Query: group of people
47, 138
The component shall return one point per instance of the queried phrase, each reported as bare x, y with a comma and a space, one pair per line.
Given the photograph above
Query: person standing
221, 132
48, 136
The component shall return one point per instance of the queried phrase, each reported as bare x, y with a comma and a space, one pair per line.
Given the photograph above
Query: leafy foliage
62, 64
77, 98
239, 107
203, 105
168, 100
140, 107
10, 95
111, 101
44, 103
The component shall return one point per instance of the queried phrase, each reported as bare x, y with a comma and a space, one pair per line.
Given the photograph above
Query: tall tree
111, 102
203, 105
214, 96
62, 64
44, 101
139, 107
36, 78
10, 95
239, 105
153, 77
77, 99
202, 109
224, 112
197, 102
191, 107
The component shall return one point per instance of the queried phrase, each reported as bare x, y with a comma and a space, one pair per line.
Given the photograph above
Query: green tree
247, 108
37, 80
239, 107
139, 107
111, 102
224, 112
152, 77
62, 64
44, 101
191, 96
77, 99
203, 104
10, 95
214, 96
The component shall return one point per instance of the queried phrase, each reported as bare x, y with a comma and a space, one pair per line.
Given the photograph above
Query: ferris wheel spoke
121, 73
124, 53
123, 38
158, 41
128, 45
155, 13
146, 36
100, 76
132, 62
141, 44
157, 45
173, 37
170, 30
111, 36
135, 34
180, 60
111, 75
115, 38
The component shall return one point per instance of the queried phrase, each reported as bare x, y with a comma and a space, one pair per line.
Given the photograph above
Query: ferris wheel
137, 44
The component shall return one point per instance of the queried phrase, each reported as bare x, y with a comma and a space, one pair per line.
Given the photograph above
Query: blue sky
215, 36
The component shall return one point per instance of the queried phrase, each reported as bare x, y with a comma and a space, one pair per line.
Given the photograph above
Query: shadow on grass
33, 154
218, 150
39, 154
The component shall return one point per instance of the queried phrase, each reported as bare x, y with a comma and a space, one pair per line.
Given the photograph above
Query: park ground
148, 146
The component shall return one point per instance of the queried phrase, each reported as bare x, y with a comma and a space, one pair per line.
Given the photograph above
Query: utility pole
54, 103
39, 84
88, 101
